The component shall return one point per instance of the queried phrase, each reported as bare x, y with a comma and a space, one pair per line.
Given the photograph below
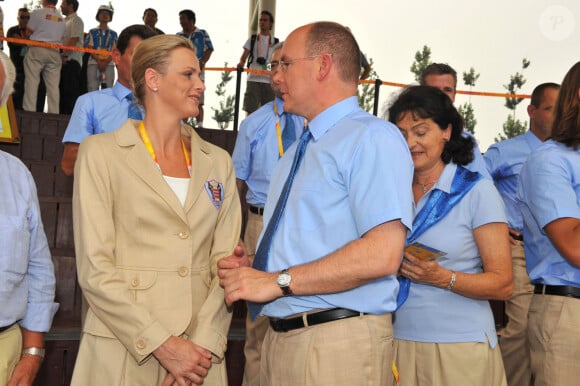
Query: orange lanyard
149, 146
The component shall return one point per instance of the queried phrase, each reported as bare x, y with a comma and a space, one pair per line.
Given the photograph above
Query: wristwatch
283, 281
34, 351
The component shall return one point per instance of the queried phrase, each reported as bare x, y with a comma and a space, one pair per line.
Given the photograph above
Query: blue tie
261, 258
289, 133
135, 111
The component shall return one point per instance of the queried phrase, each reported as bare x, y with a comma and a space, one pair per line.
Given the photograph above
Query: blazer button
135, 282
141, 344
183, 271
183, 235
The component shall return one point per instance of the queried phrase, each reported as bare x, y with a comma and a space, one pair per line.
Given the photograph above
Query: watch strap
34, 351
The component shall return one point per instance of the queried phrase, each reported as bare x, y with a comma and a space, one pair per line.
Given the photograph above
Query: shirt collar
446, 178
533, 141
120, 91
329, 117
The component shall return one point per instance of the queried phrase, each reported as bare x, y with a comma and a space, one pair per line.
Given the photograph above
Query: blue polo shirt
549, 189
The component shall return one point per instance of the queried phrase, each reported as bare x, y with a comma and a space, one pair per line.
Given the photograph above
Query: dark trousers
70, 76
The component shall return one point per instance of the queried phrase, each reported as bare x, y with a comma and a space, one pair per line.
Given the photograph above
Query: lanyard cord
149, 146
279, 130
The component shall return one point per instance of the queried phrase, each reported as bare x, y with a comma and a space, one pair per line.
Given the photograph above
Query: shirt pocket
14, 242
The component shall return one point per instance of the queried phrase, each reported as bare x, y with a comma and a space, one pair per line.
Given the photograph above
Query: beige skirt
448, 364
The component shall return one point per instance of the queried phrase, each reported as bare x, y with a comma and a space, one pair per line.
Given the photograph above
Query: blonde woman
154, 210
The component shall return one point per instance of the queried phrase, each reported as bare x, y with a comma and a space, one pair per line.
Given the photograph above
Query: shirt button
183, 235
141, 344
135, 282
183, 271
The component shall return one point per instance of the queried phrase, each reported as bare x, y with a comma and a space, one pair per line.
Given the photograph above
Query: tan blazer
146, 264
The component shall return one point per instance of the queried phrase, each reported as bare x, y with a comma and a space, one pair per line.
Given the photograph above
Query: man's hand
240, 281
25, 371
186, 362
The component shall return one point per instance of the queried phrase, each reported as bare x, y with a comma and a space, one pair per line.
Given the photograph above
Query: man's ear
116, 56
325, 61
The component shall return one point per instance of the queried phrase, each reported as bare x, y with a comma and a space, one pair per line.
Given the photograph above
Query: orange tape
234, 69
36, 43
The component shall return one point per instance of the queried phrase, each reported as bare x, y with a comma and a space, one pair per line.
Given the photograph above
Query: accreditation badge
215, 191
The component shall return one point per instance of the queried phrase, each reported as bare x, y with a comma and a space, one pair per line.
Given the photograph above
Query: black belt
2, 329
559, 290
256, 210
284, 325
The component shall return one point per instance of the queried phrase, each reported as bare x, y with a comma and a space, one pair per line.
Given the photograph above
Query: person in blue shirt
104, 110
203, 47
549, 198
444, 329
260, 143
100, 68
27, 281
327, 280
504, 161
444, 77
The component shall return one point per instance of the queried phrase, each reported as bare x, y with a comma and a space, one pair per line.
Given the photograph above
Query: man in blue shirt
329, 284
504, 161
27, 282
203, 47
444, 77
104, 110
256, 153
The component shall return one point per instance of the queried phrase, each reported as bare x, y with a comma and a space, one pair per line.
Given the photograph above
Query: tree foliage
512, 126
225, 114
422, 60
466, 110
366, 92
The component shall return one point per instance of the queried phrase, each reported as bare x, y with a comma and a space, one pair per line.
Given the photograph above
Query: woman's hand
428, 272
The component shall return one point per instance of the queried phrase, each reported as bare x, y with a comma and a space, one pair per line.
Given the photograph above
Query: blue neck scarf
437, 206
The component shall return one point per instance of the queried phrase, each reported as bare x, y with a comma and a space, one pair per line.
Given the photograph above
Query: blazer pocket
140, 281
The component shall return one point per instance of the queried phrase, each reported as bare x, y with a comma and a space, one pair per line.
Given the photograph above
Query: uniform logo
215, 191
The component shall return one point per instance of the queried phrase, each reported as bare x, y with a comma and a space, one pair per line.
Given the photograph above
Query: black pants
70, 76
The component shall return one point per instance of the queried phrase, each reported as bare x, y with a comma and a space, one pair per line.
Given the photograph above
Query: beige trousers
347, 352
449, 364
554, 333
514, 344
10, 349
45, 61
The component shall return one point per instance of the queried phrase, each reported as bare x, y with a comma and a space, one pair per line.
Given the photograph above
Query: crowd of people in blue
366, 248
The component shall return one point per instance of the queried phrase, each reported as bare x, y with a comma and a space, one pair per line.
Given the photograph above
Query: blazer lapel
139, 160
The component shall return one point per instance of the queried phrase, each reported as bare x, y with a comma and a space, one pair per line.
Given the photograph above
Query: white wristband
452, 281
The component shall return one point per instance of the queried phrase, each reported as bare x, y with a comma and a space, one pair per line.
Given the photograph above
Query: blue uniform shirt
504, 161
200, 40
356, 174
98, 112
437, 315
256, 151
27, 282
549, 189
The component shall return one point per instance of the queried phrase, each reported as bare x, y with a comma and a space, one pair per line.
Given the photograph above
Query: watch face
284, 279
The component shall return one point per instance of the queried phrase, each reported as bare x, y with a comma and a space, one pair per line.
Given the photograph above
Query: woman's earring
155, 89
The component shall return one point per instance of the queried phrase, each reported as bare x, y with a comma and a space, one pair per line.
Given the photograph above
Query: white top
179, 186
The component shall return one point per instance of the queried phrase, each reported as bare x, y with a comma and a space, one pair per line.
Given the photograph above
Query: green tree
366, 91
512, 126
422, 60
225, 114
466, 110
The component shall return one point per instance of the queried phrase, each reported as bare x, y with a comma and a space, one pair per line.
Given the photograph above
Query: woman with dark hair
444, 329
549, 197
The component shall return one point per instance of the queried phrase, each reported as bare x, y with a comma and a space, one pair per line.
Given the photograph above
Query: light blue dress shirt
504, 161
98, 112
437, 315
27, 281
478, 163
549, 189
356, 174
256, 151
